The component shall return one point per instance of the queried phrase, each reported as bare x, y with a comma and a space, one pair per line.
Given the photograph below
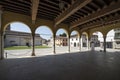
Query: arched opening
113, 40
61, 41
96, 41
74, 41
43, 41
17, 40
84, 41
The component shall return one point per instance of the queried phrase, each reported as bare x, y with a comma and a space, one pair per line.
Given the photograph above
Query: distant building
94, 38
74, 41
116, 42
15, 38
61, 41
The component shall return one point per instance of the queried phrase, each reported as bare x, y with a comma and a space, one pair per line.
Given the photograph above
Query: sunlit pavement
48, 51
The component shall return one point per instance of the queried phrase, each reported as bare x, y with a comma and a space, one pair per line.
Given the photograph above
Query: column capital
104, 36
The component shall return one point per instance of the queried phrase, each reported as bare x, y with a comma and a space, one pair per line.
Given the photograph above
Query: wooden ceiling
84, 14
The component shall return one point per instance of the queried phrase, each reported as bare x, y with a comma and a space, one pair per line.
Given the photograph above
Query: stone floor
70, 66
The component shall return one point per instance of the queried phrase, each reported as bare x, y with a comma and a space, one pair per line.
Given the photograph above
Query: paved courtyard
89, 65
39, 52
46, 51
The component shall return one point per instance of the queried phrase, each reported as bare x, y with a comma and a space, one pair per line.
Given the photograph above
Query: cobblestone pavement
85, 65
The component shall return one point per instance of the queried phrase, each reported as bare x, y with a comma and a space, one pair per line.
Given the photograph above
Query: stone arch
48, 25
64, 30
94, 32
85, 33
8, 18
4, 28
44, 26
97, 40
17, 38
111, 28
75, 31
112, 38
62, 26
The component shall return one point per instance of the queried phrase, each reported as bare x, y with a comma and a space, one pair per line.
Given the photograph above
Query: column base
33, 54
1, 58
79, 49
68, 51
104, 51
54, 52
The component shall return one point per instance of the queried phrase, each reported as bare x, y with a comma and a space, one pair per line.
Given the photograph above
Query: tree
63, 35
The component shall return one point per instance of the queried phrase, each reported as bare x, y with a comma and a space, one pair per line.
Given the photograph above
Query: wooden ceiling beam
42, 11
50, 10
19, 4
105, 11
78, 4
100, 23
35, 4
49, 6
46, 14
11, 5
17, 11
51, 2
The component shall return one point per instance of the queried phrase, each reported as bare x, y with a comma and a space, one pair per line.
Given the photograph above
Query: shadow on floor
69, 66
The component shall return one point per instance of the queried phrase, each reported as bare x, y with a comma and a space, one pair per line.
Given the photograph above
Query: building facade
15, 38
74, 41
116, 42
61, 41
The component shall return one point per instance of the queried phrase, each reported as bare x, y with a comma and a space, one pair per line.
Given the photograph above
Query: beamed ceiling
84, 14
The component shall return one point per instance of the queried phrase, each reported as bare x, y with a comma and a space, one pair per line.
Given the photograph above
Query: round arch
75, 31
112, 29
66, 28
112, 39
4, 27
47, 26
45, 39
85, 33
95, 32
19, 37
62, 29
97, 38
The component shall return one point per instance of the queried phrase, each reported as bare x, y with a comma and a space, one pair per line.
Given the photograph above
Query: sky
46, 33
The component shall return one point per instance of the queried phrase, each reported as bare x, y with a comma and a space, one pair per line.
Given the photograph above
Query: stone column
54, 51
2, 45
1, 36
104, 43
33, 44
80, 43
87, 43
68, 43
